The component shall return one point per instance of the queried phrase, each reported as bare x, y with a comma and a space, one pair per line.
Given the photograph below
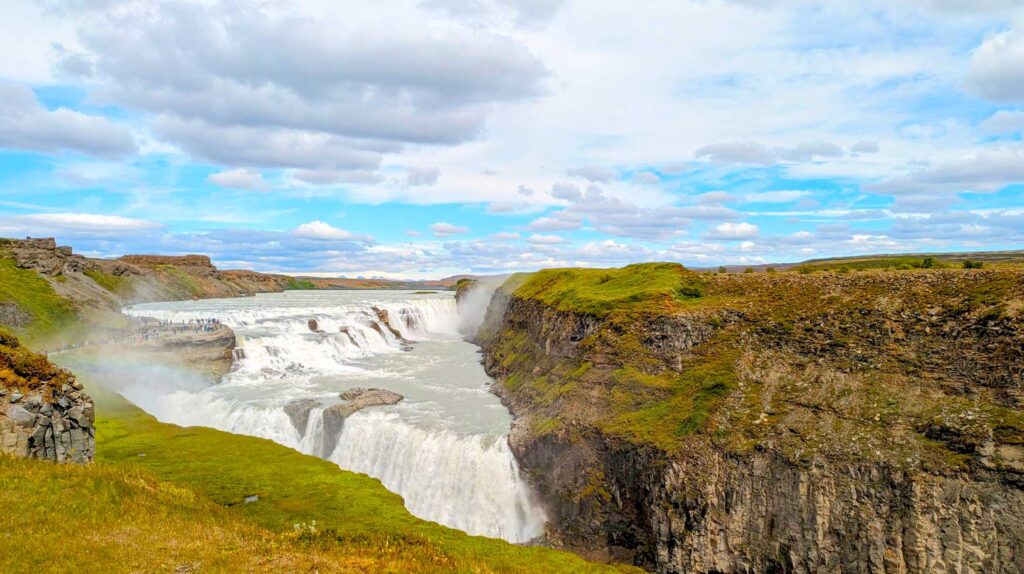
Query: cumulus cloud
537, 238
715, 198
997, 67
240, 179
612, 215
1004, 122
754, 153
442, 229
328, 177
265, 146
646, 178
26, 124
592, 173
527, 13
320, 231
865, 146
737, 152
566, 191
76, 225
325, 94
986, 170
732, 231
422, 176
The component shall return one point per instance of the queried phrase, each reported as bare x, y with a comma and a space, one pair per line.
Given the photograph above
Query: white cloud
442, 229
422, 175
240, 179
25, 124
732, 231
747, 152
646, 178
320, 231
566, 191
997, 67
865, 146
1004, 122
328, 91
537, 238
592, 173
780, 196
78, 226
985, 170
715, 198
737, 152
328, 177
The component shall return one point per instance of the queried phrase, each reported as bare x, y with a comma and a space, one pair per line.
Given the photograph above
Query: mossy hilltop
620, 375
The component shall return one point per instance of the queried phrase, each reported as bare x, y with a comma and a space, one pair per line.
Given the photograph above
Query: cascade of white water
444, 448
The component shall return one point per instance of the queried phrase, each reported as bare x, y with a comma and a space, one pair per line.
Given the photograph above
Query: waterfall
444, 449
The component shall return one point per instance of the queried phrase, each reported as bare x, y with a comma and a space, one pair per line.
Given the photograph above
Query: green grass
186, 282
161, 496
34, 295
299, 284
661, 409
898, 262
111, 283
600, 292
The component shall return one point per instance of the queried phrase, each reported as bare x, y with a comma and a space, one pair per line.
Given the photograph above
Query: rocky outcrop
384, 322
44, 413
107, 284
356, 399
830, 423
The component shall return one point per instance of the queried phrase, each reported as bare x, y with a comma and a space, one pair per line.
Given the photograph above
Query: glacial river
444, 448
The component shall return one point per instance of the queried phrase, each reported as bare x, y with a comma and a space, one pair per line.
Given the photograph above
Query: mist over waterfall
443, 448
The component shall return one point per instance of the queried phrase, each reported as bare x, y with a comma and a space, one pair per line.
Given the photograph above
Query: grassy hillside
852, 365
656, 287
36, 310
161, 498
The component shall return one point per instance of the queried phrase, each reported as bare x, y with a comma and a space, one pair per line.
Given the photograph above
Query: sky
424, 138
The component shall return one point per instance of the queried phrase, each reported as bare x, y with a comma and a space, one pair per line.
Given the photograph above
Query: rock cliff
65, 285
44, 413
828, 422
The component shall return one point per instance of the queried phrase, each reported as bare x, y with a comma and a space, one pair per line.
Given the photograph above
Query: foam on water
444, 448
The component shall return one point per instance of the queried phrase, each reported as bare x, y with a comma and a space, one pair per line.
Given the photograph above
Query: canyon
771, 422
813, 420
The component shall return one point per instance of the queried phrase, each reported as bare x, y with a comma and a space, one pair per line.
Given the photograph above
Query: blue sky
422, 138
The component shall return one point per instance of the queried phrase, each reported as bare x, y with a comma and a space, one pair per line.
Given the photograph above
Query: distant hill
885, 261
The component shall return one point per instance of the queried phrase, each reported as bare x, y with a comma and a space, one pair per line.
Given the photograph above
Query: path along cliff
771, 422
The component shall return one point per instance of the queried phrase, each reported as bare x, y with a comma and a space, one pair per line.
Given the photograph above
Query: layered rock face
44, 412
791, 423
102, 286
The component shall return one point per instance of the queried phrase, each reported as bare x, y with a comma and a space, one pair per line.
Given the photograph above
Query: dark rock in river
356, 399
298, 411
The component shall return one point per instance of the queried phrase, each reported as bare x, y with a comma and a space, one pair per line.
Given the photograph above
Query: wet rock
356, 400
314, 326
359, 398
298, 412
384, 319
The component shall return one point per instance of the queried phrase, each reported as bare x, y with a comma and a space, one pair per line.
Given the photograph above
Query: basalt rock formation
736, 423
44, 412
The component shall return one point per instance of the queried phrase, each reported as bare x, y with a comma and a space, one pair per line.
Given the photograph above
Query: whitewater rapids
443, 448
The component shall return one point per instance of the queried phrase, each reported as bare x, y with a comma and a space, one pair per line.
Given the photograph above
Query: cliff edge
770, 422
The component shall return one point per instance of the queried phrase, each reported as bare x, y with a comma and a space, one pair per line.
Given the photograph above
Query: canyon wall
868, 422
